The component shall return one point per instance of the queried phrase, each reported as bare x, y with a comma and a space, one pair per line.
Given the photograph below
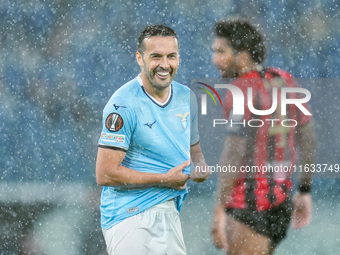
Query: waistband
168, 206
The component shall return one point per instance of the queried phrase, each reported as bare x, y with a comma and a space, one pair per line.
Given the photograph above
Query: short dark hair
242, 36
154, 30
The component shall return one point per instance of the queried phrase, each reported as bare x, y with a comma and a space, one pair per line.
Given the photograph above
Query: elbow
105, 180
101, 181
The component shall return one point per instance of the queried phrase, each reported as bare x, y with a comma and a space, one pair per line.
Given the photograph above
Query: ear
139, 59
243, 57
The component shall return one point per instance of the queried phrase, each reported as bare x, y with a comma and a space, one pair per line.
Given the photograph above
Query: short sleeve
117, 124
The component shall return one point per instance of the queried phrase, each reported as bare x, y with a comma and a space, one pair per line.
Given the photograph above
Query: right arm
110, 172
232, 154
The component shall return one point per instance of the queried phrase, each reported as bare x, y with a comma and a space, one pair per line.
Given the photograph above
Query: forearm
224, 188
226, 183
110, 172
121, 176
201, 171
196, 155
307, 141
232, 155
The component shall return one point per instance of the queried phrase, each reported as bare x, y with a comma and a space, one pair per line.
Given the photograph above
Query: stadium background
60, 61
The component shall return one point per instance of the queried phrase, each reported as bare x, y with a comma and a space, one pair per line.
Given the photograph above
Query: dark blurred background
60, 61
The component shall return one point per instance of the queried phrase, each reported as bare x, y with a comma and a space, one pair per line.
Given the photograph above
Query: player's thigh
126, 238
152, 232
173, 235
243, 240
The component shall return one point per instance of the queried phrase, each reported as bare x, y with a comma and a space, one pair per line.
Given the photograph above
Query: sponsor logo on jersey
149, 125
112, 138
114, 122
118, 106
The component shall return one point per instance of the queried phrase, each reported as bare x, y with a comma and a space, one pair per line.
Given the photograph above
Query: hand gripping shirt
155, 138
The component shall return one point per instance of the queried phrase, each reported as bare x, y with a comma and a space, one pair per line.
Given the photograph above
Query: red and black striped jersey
264, 181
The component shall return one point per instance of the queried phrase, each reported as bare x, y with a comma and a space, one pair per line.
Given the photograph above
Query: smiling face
159, 62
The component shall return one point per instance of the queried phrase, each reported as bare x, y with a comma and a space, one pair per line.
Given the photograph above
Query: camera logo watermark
243, 101
238, 99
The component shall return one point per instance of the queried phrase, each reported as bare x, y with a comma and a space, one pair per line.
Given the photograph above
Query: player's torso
161, 135
270, 148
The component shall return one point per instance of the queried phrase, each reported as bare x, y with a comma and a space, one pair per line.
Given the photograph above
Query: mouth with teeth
163, 74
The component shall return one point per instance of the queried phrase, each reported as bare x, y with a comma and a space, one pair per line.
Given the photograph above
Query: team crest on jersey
114, 122
183, 118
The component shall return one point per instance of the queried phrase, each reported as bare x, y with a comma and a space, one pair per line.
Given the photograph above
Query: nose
214, 60
164, 63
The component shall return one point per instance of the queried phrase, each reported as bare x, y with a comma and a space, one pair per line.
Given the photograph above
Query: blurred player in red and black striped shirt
254, 208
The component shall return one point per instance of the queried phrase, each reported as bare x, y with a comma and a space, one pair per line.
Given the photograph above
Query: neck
161, 94
245, 64
247, 69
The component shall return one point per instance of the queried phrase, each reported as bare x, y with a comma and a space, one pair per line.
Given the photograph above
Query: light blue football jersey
155, 138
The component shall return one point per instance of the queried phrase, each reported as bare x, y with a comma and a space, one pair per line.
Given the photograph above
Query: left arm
201, 171
306, 139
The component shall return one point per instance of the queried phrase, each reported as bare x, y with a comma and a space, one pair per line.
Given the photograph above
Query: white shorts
155, 231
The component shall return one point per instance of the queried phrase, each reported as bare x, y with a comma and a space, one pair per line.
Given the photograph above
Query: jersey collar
161, 104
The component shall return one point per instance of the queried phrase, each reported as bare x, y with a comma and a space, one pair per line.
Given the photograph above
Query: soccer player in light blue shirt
149, 135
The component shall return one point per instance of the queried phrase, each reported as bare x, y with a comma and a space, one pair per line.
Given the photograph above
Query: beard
229, 69
229, 72
162, 84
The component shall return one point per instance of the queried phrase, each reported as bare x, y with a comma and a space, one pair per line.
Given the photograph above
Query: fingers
301, 216
182, 187
185, 164
200, 173
175, 178
219, 239
300, 219
218, 229
181, 166
198, 176
295, 224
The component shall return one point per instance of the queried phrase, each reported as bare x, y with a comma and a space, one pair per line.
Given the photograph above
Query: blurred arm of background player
302, 207
201, 171
232, 154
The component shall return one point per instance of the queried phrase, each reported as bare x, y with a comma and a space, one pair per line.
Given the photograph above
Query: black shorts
272, 223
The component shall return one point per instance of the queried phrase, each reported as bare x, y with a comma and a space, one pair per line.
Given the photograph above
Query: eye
155, 56
172, 56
